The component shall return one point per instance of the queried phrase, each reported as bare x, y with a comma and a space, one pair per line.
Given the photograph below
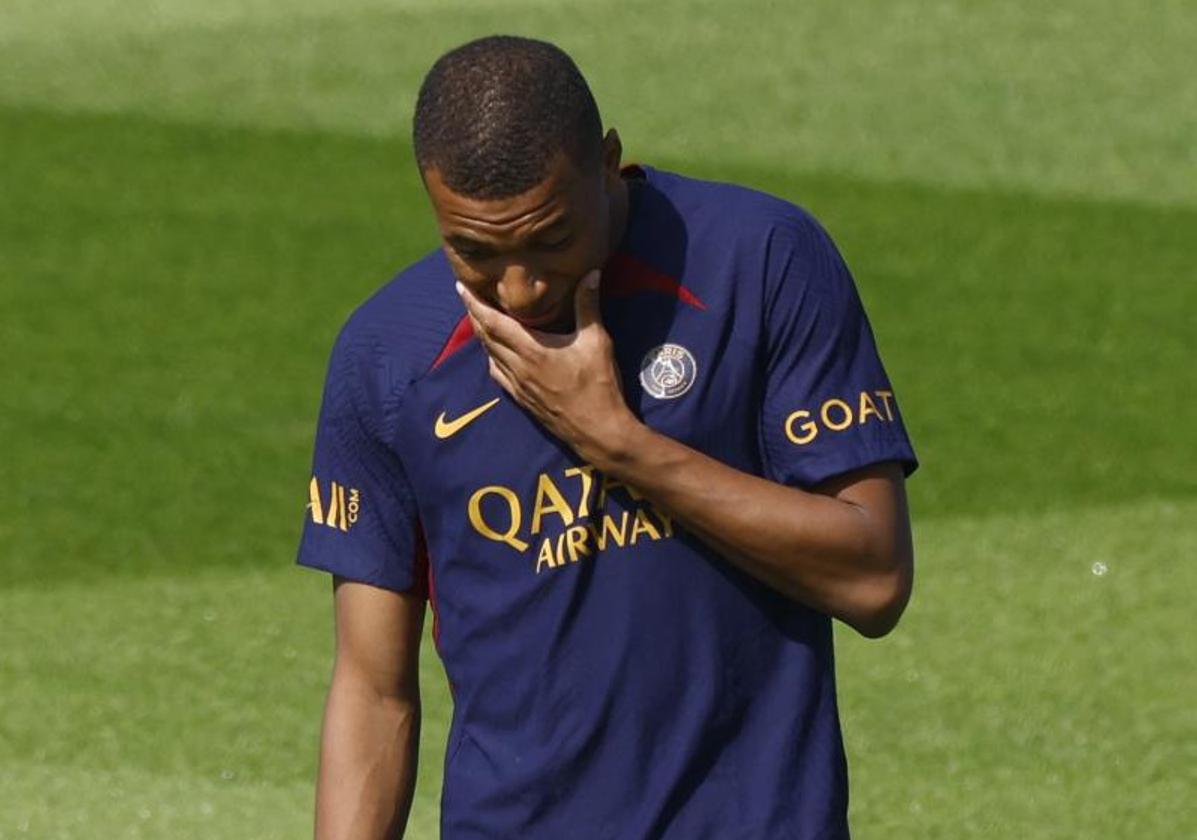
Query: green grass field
196, 195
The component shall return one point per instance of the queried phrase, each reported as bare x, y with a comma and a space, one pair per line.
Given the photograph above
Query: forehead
561, 196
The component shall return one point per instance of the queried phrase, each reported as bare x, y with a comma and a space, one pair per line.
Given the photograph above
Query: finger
587, 311
478, 311
510, 359
479, 332
499, 375
497, 324
524, 397
502, 358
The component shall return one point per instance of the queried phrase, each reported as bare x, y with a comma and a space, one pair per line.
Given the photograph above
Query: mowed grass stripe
54, 802
1023, 696
171, 294
215, 679
1039, 685
170, 298
989, 94
63, 802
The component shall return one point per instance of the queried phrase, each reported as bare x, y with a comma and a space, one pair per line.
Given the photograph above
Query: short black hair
492, 115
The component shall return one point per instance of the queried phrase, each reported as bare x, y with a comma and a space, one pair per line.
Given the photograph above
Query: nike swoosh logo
447, 428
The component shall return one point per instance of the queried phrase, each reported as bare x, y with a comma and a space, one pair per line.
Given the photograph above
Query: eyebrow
462, 240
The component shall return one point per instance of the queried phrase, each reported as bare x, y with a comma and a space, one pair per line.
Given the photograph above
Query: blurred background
194, 196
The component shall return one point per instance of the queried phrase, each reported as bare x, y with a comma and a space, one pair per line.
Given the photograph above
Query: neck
619, 216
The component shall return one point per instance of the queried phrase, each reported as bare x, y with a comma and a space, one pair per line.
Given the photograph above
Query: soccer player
627, 433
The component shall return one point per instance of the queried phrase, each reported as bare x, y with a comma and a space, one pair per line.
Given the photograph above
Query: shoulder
405, 318
747, 248
736, 213
392, 338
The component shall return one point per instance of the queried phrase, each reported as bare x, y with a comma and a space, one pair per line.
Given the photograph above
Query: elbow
879, 599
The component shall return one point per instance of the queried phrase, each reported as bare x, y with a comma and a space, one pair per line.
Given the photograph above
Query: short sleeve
362, 522
828, 405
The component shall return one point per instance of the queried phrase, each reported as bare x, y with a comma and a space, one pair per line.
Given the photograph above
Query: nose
518, 288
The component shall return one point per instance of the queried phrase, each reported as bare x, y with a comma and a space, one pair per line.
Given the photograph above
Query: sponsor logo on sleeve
840, 414
341, 511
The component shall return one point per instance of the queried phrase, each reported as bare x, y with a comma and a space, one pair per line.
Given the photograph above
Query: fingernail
460, 288
592, 279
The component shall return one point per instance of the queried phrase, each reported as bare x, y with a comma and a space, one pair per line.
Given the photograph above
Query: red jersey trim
625, 275
461, 335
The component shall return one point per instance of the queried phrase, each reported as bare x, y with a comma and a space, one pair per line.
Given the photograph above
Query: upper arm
878, 491
878, 494
378, 638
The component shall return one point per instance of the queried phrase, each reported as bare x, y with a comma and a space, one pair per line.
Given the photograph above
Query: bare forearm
368, 760
845, 552
822, 551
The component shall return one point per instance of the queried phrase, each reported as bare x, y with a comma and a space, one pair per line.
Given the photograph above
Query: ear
612, 157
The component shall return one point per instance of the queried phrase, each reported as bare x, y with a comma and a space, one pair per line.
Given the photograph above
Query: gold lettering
545, 555
334, 509
315, 504
867, 407
641, 525
355, 505
666, 521
844, 423
513, 505
344, 524
549, 500
586, 473
575, 541
560, 546
607, 529
810, 431
885, 398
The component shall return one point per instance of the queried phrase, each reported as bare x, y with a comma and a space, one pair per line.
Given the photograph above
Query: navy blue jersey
612, 675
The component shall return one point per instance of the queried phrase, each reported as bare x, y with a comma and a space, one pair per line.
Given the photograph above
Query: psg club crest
668, 371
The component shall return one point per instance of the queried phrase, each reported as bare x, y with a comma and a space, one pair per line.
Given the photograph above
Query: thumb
587, 311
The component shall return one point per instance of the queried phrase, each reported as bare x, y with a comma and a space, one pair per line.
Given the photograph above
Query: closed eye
471, 254
556, 244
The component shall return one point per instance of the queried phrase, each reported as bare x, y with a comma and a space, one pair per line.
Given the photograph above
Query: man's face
525, 255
